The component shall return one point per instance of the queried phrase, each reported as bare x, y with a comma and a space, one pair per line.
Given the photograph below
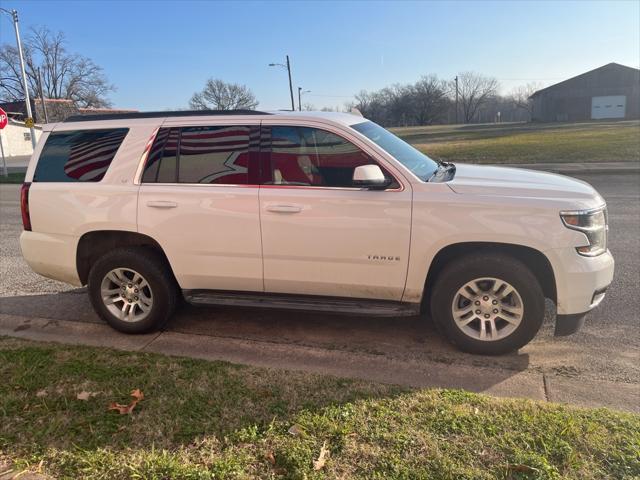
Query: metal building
609, 92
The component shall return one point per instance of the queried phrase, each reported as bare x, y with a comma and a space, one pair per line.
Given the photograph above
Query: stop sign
3, 119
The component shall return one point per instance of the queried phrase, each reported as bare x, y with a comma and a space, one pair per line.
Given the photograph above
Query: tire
510, 318
150, 301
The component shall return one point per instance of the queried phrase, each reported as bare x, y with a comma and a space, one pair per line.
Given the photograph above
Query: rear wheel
488, 304
132, 289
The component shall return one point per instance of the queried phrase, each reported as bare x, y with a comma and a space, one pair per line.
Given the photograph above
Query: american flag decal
91, 153
206, 154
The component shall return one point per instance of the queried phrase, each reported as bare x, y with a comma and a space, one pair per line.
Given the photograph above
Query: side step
312, 303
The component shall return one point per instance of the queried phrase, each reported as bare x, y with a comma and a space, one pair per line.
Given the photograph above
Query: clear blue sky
158, 53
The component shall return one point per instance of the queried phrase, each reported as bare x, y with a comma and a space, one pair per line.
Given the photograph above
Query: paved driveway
605, 351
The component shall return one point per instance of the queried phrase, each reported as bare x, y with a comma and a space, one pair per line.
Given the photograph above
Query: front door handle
161, 204
284, 208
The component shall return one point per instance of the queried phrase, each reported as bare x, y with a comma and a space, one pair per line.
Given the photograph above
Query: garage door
608, 107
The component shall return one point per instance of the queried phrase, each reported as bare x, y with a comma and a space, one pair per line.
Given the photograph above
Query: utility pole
300, 92
5, 172
44, 104
27, 100
456, 99
293, 105
288, 67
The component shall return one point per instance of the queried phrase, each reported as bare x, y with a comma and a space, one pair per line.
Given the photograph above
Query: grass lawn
528, 143
14, 177
203, 420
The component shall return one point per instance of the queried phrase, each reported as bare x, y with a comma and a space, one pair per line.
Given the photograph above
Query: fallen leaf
137, 394
296, 430
322, 457
122, 409
85, 396
41, 393
270, 457
127, 409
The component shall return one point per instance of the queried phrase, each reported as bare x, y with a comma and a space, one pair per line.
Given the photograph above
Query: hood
520, 182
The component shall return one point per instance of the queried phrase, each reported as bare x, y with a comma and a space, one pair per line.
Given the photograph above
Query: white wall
13, 140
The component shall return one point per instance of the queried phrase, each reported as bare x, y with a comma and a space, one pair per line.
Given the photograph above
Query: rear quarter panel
61, 212
75, 208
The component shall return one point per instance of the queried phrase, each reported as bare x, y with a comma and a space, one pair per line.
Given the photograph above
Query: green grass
203, 420
14, 177
529, 143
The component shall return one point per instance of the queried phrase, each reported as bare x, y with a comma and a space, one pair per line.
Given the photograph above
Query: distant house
58, 109
611, 91
16, 137
16, 142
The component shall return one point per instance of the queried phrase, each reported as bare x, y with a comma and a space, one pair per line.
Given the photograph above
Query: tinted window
214, 155
200, 155
78, 156
309, 156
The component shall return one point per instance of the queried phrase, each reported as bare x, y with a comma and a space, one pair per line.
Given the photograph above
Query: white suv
311, 211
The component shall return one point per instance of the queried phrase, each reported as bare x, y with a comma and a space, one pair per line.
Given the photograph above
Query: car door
321, 235
199, 200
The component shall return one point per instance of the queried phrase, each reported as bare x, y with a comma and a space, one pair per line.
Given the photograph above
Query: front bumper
581, 283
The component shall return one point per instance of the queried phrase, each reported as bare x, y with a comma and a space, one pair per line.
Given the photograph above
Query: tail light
24, 205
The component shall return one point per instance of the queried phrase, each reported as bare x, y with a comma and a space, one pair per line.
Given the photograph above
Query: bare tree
363, 101
64, 75
399, 104
521, 97
429, 99
220, 95
474, 91
382, 106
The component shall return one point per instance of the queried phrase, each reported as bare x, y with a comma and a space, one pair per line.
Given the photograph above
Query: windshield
421, 165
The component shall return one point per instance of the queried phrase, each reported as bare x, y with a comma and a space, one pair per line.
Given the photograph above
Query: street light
288, 67
14, 16
300, 92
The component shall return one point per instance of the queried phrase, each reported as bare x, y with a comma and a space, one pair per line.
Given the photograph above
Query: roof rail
180, 113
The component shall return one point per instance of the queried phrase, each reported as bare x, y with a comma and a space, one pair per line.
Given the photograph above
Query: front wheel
488, 304
132, 289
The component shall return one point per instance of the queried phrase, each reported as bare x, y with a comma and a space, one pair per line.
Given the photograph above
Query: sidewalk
377, 368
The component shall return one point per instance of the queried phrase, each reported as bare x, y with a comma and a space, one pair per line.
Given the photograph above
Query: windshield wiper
443, 167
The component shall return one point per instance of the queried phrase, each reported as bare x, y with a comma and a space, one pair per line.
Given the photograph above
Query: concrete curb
378, 368
580, 168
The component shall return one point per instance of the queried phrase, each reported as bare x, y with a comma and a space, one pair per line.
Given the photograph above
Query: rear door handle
161, 204
284, 208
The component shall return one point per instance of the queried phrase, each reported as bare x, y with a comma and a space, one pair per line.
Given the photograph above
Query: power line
333, 96
523, 79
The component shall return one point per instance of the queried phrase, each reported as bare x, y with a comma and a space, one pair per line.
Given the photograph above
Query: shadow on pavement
412, 340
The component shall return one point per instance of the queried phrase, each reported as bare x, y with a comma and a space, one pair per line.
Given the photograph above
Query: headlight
593, 223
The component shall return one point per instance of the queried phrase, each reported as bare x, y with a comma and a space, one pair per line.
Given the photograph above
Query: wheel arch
534, 259
92, 245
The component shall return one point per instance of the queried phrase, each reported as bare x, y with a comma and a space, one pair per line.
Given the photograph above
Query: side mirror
371, 177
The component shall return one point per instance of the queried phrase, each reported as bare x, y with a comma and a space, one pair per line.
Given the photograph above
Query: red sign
3, 119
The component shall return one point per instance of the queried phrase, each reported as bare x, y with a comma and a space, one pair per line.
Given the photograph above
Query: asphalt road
607, 348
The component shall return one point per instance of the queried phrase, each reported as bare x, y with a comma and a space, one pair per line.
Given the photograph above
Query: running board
348, 306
